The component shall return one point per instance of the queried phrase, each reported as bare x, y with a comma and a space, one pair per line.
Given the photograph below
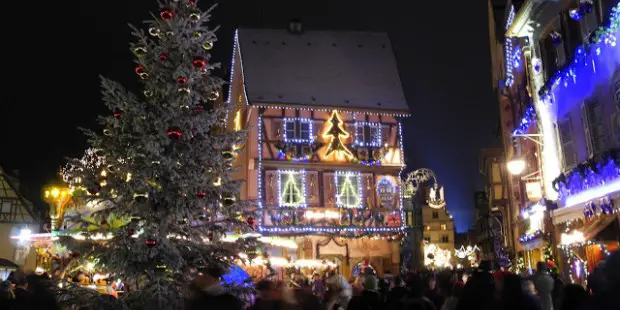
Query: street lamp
516, 166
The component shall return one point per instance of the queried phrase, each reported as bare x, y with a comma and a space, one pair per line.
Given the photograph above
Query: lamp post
57, 197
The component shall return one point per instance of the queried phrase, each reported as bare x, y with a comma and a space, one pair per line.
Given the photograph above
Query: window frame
445, 239
370, 141
301, 175
566, 146
297, 131
352, 175
435, 215
588, 127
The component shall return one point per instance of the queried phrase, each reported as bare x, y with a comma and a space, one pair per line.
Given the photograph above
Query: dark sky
54, 53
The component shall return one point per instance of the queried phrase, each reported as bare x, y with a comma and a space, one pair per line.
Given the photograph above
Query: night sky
54, 53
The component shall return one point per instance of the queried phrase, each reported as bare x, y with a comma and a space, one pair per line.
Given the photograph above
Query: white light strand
291, 174
260, 170
400, 174
269, 106
347, 177
375, 141
297, 121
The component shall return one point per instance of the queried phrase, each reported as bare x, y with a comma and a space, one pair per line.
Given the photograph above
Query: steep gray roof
353, 70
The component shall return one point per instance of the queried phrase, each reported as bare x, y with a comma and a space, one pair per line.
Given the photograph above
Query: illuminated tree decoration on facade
349, 189
292, 188
336, 133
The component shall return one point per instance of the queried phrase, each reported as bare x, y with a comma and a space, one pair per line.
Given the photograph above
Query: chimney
294, 26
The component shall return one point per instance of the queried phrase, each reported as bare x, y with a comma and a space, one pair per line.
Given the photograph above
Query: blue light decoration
592, 64
508, 49
237, 277
531, 236
517, 56
528, 118
597, 177
605, 204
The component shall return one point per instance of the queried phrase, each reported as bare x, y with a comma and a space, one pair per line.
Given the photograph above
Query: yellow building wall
8, 247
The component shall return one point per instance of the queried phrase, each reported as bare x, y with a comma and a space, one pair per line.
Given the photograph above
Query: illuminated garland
259, 173
347, 195
290, 193
528, 118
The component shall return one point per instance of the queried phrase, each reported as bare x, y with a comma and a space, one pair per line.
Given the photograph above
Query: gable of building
319, 69
14, 208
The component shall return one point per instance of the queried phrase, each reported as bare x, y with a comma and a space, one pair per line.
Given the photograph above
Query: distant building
438, 223
16, 217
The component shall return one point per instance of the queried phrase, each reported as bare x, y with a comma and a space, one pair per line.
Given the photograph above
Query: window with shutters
589, 23
445, 239
427, 239
297, 130
565, 133
594, 127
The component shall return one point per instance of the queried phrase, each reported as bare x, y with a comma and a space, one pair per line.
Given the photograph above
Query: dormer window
298, 130
368, 134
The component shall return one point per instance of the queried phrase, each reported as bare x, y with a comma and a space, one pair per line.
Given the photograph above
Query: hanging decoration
336, 133
199, 63
436, 257
175, 134
154, 31
139, 51
163, 57
207, 45
166, 14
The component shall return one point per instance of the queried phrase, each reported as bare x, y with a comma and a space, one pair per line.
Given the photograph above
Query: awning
594, 227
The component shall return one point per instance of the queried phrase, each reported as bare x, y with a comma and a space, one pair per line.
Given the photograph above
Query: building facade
439, 233
324, 151
559, 108
17, 222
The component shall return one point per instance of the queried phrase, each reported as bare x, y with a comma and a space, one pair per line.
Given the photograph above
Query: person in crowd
451, 302
513, 297
415, 299
558, 285
369, 298
340, 292
304, 299
479, 291
544, 286
267, 297
607, 296
39, 293
7, 296
318, 287
431, 291
20, 290
209, 293
397, 292
575, 298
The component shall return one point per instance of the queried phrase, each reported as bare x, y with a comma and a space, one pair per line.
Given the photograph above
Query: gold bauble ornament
139, 51
207, 45
154, 31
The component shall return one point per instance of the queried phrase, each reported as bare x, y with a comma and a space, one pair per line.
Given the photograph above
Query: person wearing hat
209, 293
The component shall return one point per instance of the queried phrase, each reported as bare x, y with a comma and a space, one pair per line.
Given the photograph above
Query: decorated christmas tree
161, 169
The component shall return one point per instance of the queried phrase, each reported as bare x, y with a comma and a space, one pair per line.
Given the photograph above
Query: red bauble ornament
140, 70
163, 56
117, 115
192, 1
202, 195
131, 232
210, 235
166, 14
199, 63
251, 221
150, 243
181, 80
175, 134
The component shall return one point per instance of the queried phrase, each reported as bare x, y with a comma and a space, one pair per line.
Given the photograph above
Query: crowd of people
485, 288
